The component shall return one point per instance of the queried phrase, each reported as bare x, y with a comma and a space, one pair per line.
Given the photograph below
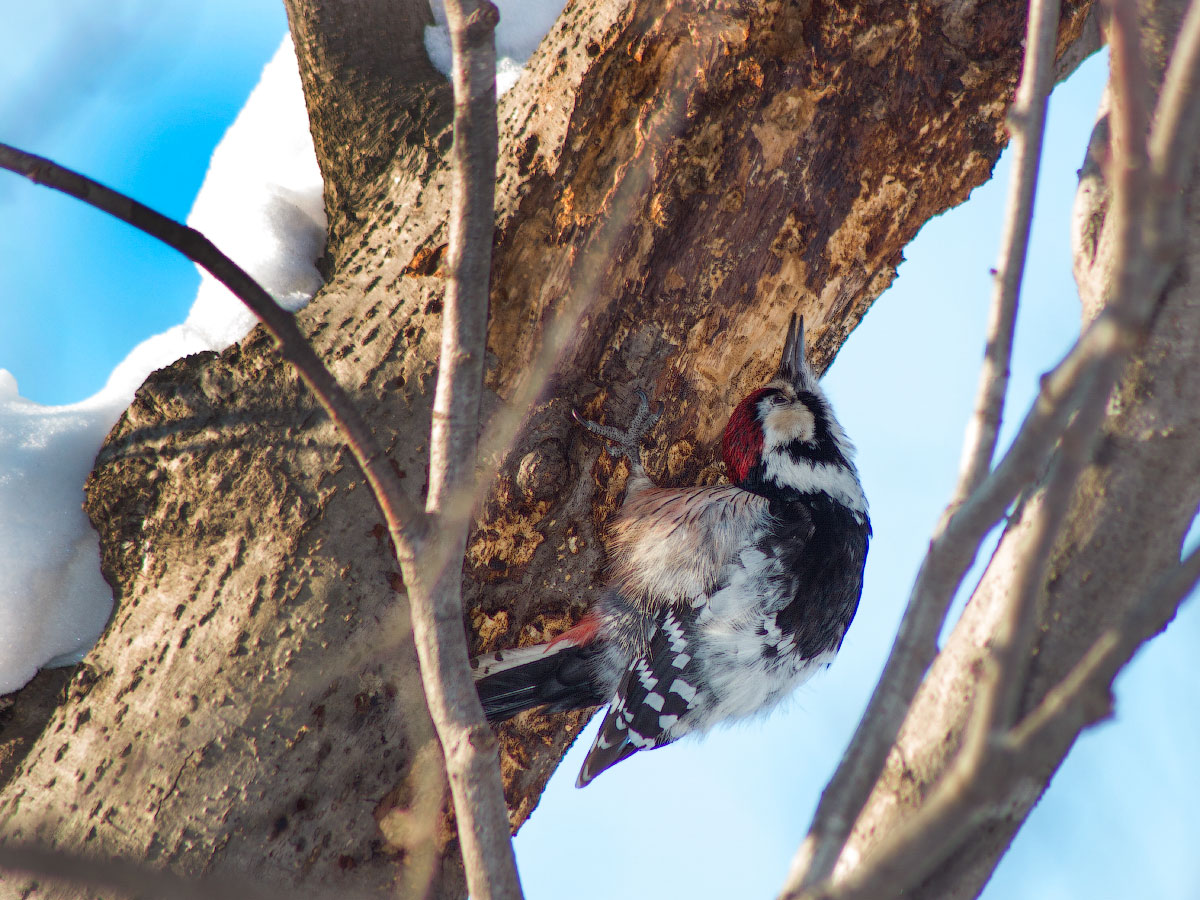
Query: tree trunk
696, 173
1126, 525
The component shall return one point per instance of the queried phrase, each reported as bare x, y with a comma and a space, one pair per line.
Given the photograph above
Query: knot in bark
542, 471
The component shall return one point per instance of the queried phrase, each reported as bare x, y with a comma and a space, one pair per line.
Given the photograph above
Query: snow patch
261, 203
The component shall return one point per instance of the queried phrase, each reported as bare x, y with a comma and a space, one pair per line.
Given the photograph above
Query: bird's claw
625, 441
644, 418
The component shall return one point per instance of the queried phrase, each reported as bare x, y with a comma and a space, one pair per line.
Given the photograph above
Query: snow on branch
409, 521
410, 527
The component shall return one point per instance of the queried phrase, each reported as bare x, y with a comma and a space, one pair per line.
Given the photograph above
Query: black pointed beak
792, 363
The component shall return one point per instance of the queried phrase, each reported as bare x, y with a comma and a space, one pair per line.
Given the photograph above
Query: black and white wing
656, 691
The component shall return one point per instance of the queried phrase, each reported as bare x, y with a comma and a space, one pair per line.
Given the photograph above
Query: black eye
778, 399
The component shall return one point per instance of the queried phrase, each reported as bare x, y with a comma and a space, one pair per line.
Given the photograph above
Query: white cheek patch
788, 423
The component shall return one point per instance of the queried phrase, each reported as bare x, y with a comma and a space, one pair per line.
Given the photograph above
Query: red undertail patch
581, 634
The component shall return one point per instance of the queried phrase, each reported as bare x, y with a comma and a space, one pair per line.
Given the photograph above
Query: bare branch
910, 853
970, 789
1013, 637
407, 523
1027, 122
468, 743
951, 554
953, 550
472, 213
994, 760
1173, 140
991, 766
1132, 204
1072, 704
1144, 258
1130, 171
1176, 131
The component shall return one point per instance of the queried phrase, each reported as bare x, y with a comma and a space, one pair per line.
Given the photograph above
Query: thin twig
456, 499
1128, 308
472, 214
988, 773
583, 300
468, 743
951, 554
1027, 123
1013, 636
409, 526
966, 792
1129, 175
1177, 119
1173, 139
406, 521
953, 550
1066, 708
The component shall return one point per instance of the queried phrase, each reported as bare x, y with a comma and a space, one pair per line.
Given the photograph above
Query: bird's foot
626, 442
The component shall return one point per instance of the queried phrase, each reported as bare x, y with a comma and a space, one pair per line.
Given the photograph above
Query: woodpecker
721, 600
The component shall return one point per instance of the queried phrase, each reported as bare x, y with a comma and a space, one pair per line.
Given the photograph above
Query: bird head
783, 440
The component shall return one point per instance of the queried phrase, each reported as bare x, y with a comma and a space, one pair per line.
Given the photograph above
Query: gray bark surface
254, 707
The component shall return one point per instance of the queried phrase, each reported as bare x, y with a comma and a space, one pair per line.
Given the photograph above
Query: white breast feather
678, 545
738, 676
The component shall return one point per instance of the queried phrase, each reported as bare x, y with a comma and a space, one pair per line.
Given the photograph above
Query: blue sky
137, 94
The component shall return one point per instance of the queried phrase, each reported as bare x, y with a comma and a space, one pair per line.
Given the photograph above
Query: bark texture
700, 171
375, 102
23, 715
1131, 511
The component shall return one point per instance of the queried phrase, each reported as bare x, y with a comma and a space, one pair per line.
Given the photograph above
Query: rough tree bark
698, 172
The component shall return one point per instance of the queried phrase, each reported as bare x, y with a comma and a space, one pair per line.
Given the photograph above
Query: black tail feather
560, 679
